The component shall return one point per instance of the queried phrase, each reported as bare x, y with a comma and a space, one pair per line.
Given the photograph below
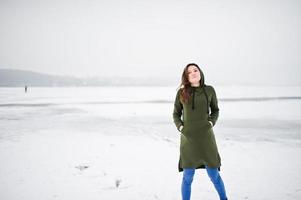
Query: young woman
197, 103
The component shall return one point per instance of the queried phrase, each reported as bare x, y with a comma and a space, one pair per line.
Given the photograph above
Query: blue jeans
215, 177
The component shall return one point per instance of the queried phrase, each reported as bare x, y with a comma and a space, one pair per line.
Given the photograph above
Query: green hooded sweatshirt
197, 145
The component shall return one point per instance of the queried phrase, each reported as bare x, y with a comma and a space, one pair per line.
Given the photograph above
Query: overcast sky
233, 41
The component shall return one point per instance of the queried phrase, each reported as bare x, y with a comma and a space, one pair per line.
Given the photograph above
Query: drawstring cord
206, 99
193, 94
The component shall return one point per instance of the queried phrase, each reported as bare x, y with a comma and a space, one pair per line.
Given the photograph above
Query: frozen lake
89, 109
48, 135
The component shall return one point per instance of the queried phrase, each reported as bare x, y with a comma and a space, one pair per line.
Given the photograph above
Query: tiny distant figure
25, 88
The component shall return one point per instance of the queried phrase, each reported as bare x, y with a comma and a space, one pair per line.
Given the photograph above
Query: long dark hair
185, 85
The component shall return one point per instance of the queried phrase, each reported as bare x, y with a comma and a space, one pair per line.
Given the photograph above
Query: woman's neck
195, 84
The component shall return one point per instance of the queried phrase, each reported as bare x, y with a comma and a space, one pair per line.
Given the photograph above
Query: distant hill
16, 78
20, 78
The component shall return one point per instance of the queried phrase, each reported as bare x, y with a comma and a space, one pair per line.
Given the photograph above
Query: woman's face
194, 75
